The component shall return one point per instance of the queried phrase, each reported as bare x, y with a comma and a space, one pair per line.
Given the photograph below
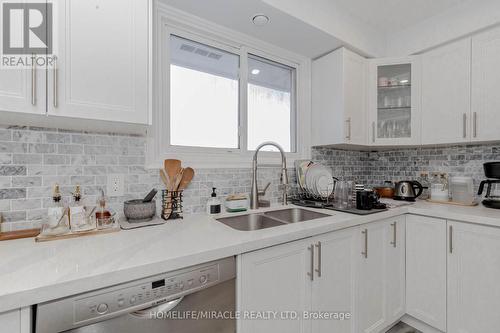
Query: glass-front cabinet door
394, 102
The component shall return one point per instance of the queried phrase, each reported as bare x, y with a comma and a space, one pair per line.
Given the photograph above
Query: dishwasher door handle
165, 307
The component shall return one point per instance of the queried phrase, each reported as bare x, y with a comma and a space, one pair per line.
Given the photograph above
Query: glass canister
439, 187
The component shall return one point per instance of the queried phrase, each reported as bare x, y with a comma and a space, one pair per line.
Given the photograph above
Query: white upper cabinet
22, 90
446, 94
485, 121
426, 270
339, 99
394, 101
103, 61
473, 271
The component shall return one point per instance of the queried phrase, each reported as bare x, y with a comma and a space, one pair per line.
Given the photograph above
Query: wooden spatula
165, 179
187, 176
172, 167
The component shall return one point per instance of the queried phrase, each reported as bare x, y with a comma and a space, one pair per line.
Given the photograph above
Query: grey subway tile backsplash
33, 159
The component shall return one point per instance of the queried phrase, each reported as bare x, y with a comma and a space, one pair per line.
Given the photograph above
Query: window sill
227, 161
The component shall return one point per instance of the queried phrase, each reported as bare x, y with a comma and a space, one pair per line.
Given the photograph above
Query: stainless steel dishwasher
196, 299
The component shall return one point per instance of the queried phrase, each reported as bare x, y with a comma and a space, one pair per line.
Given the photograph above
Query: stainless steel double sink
270, 219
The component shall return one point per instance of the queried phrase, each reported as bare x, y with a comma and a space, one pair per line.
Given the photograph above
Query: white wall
324, 15
460, 21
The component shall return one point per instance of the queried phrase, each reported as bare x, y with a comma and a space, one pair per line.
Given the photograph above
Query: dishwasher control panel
144, 294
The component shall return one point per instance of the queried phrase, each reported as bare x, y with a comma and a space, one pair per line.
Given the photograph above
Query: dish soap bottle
57, 219
214, 205
77, 212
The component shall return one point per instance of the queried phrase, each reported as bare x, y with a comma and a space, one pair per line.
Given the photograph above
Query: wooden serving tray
10, 235
452, 203
41, 238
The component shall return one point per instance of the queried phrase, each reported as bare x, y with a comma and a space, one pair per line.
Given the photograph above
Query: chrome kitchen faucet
254, 195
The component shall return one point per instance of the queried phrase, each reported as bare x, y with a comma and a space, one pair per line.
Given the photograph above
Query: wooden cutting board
10, 235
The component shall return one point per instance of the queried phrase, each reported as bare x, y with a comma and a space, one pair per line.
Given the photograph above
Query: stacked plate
314, 178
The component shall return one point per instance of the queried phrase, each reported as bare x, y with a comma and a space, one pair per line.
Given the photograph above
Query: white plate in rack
319, 180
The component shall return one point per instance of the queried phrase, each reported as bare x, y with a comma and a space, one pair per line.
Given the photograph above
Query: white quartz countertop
32, 273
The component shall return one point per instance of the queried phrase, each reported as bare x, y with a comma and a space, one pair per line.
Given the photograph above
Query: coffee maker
492, 197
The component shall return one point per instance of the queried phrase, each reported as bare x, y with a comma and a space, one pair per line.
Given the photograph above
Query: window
204, 95
205, 98
219, 94
270, 105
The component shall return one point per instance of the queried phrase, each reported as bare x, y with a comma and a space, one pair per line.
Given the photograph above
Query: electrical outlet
116, 185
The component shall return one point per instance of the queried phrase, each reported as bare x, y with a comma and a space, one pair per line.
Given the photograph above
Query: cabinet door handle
395, 234
373, 132
311, 272
348, 122
56, 83
33, 79
475, 124
365, 252
318, 270
451, 239
464, 123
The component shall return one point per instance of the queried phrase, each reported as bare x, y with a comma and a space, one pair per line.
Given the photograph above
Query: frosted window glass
270, 104
204, 95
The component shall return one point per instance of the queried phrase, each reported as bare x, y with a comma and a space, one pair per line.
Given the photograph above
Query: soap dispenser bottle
77, 211
214, 204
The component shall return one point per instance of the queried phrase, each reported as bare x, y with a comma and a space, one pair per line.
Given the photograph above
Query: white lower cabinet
327, 274
395, 280
16, 321
275, 279
473, 278
370, 311
426, 270
381, 275
334, 286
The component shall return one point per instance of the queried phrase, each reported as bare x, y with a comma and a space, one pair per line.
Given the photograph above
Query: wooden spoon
187, 176
173, 167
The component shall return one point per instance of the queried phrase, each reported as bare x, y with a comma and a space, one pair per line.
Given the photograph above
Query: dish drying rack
303, 196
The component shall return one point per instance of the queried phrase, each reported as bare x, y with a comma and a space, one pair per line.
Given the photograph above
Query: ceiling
283, 30
389, 15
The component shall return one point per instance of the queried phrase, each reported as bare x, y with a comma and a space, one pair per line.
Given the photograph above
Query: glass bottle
57, 222
77, 212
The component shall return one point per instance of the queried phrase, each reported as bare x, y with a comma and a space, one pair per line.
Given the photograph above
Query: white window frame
172, 21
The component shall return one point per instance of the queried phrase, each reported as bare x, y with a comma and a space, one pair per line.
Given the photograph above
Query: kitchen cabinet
334, 286
395, 280
339, 99
102, 67
316, 275
370, 312
16, 321
275, 279
394, 97
426, 270
446, 94
358, 272
485, 81
381, 275
22, 90
473, 271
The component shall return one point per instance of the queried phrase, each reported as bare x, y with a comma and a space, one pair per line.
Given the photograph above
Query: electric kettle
408, 190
